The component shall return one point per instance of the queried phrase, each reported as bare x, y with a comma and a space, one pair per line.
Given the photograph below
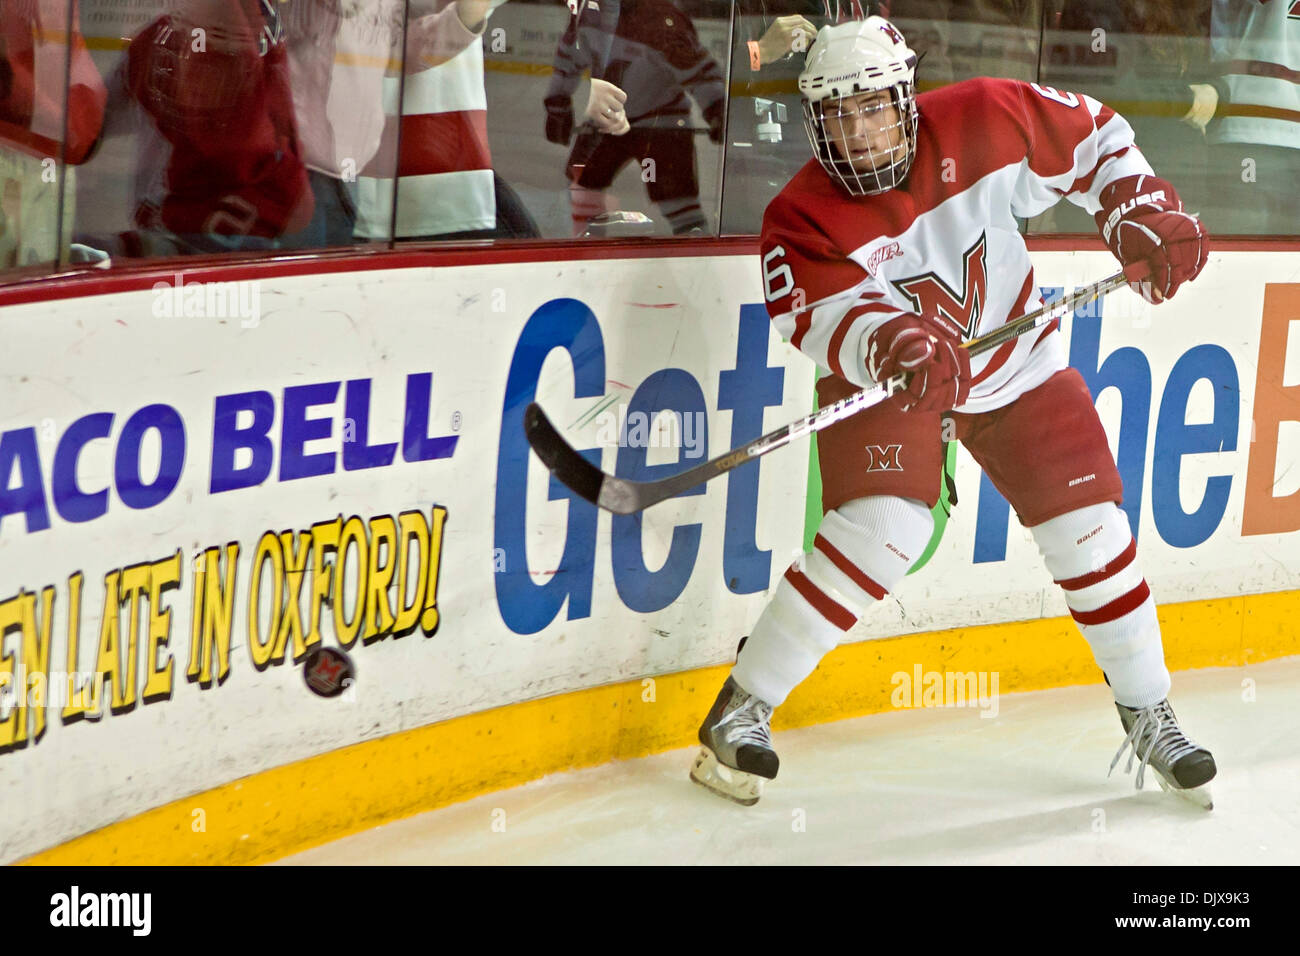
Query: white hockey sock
862, 552
1093, 557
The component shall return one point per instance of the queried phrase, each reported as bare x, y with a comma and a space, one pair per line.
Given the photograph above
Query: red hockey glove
1159, 245
939, 366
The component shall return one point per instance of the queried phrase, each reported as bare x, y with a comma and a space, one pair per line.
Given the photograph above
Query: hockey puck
328, 671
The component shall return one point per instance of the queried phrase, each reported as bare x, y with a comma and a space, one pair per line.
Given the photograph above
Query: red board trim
143, 275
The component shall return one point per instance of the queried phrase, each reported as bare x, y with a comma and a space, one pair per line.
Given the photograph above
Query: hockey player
881, 257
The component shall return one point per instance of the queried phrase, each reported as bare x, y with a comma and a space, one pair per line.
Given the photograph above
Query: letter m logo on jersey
931, 296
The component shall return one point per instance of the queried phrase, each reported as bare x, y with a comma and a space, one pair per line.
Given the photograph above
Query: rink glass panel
201, 146
1152, 67
34, 175
556, 169
205, 150
766, 142
1147, 78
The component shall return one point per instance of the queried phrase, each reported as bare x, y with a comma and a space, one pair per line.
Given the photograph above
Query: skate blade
735, 785
1197, 796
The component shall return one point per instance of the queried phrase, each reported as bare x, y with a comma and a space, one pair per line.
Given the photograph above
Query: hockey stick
624, 497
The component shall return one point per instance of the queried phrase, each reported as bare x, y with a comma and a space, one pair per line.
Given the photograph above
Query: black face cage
872, 182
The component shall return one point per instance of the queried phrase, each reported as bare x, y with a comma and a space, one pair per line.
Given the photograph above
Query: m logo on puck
328, 671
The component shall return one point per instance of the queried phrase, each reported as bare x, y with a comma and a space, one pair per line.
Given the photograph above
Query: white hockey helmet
860, 56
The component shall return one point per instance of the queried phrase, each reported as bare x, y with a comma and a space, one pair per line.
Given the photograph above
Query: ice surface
922, 786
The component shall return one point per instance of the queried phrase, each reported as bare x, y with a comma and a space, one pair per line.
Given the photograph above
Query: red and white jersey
944, 244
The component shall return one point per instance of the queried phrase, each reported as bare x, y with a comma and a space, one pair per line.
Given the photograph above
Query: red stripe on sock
854, 573
834, 612
1115, 609
1096, 577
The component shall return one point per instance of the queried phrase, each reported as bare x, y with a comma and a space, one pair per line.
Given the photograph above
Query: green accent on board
942, 508
812, 519
812, 511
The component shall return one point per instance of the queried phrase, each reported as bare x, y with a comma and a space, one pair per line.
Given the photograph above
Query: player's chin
866, 164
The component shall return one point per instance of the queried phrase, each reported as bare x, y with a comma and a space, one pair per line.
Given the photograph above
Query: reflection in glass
1254, 163
220, 163
446, 187
1146, 62
51, 112
646, 64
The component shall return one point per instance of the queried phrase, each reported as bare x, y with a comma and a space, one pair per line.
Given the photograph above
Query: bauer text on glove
1159, 245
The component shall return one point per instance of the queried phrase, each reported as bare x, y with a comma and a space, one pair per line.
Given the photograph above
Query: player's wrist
1160, 246
1130, 197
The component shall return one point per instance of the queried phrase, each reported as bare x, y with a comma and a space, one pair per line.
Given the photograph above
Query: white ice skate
737, 755
1181, 765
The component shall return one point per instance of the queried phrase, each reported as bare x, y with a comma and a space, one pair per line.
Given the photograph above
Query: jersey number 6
781, 273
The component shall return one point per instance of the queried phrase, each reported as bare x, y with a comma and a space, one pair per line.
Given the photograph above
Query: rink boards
205, 476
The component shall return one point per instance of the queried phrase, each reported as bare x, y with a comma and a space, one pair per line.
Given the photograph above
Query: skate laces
1156, 727
748, 723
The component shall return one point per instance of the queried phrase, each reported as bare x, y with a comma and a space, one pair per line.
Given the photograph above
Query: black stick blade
577, 474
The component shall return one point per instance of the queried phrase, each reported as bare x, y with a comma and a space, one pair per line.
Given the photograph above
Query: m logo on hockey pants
884, 458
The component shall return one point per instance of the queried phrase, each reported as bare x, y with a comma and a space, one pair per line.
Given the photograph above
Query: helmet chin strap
873, 182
